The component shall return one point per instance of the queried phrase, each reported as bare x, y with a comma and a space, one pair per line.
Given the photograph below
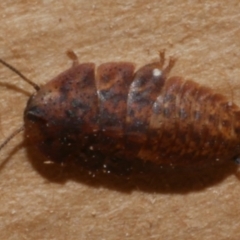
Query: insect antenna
11, 137
37, 88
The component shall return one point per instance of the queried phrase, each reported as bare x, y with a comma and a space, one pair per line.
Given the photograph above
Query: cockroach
115, 114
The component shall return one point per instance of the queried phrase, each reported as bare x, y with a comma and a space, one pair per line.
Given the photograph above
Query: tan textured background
39, 203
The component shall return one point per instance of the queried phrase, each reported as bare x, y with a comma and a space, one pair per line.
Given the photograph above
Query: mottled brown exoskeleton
102, 118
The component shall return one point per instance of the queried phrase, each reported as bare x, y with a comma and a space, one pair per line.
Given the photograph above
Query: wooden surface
46, 202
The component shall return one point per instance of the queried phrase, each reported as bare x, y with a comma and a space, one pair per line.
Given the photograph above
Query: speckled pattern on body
103, 117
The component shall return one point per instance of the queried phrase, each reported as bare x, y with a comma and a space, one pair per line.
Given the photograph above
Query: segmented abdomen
172, 120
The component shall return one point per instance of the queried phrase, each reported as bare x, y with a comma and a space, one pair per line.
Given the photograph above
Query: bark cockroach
116, 113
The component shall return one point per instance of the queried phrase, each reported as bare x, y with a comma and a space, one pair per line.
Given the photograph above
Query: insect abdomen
191, 124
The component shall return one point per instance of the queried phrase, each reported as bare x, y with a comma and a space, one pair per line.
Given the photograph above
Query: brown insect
102, 118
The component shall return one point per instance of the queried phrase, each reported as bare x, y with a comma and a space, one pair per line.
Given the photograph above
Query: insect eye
35, 115
35, 118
